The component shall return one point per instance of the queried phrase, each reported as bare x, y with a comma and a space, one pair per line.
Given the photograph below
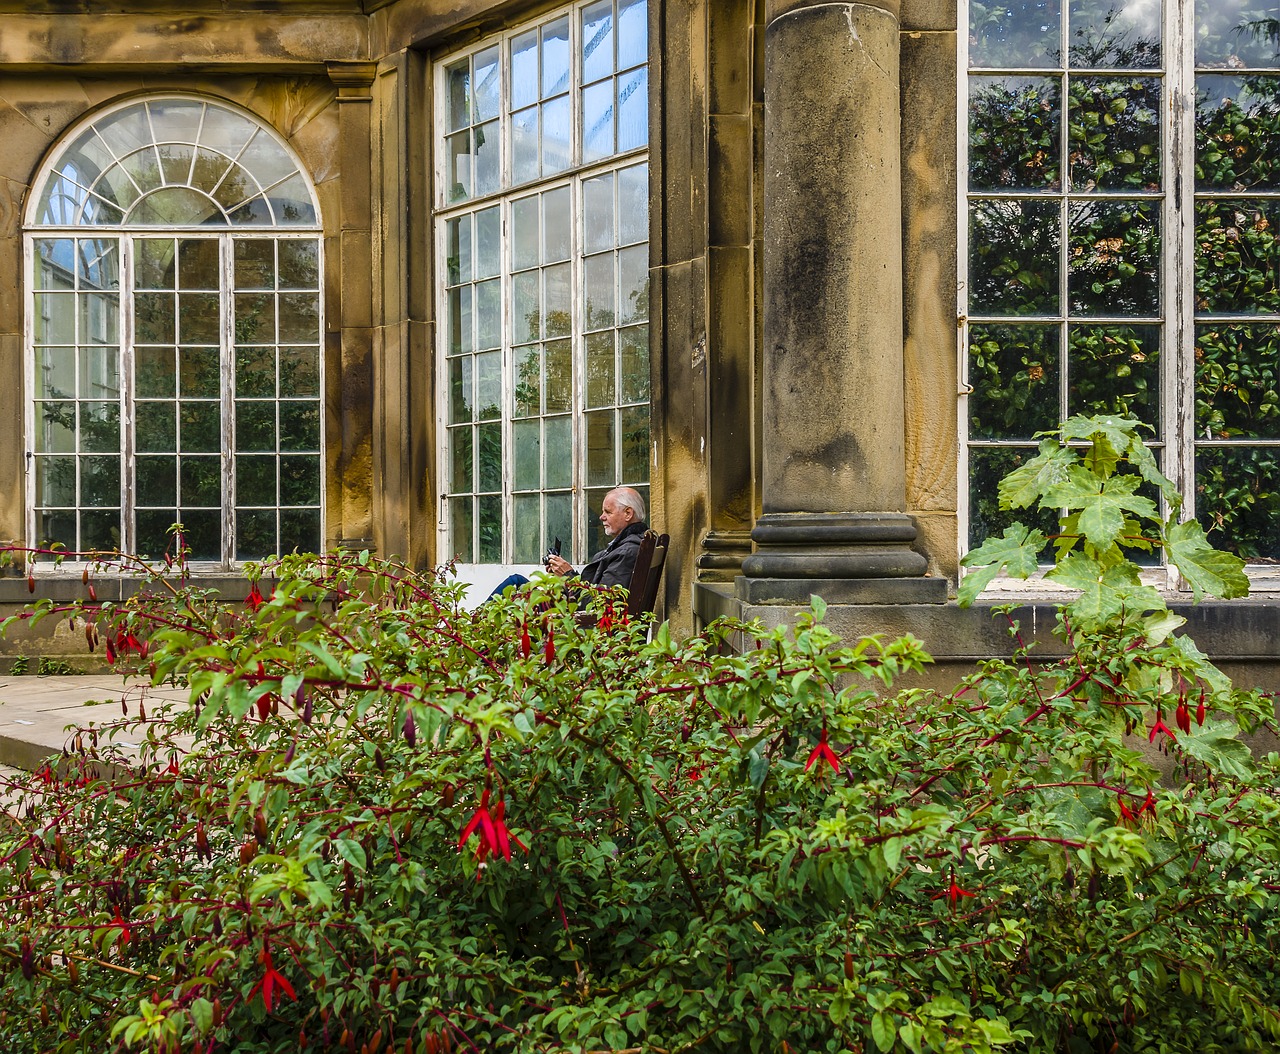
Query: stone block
928, 15
729, 178
729, 74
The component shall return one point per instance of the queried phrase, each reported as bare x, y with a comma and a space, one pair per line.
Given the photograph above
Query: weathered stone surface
730, 179
928, 15
174, 39
12, 481
729, 73
833, 263
930, 380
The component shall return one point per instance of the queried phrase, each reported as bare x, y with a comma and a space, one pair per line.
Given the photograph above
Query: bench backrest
642, 593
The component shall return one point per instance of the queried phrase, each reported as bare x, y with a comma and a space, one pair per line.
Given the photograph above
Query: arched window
174, 330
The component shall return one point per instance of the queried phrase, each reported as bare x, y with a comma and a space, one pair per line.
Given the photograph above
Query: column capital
777, 8
353, 80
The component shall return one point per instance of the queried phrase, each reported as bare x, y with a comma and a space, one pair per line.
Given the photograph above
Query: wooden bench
642, 593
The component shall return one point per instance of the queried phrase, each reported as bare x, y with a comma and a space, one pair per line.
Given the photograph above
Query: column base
722, 555
845, 558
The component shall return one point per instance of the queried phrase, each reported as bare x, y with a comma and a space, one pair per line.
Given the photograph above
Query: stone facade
802, 286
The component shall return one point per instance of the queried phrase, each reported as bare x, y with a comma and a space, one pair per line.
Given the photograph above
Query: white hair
630, 499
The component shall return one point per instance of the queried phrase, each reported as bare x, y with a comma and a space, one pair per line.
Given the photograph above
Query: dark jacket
612, 565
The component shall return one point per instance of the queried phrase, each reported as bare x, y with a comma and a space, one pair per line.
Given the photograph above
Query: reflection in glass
601, 449
597, 40
558, 388
460, 449
558, 462
601, 288
1238, 133
1114, 257
633, 110
601, 387
1232, 34
1114, 137
489, 457
528, 454
987, 467
1013, 257
597, 213
1115, 370
1237, 381
1015, 33
489, 527
557, 142
1237, 256
635, 364
1013, 372
633, 204
461, 523
1238, 500
597, 121
1114, 33
557, 226
157, 480
255, 533
1015, 133
634, 421
527, 529
525, 383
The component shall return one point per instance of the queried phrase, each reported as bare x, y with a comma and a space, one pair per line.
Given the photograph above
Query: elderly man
622, 515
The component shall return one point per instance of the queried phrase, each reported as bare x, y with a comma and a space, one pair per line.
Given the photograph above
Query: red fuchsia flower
494, 836
526, 645
822, 752
254, 599
272, 979
1200, 709
1182, 716
1126, 814
954, 893
1159, 727
1148, 805
549, 649
125, 930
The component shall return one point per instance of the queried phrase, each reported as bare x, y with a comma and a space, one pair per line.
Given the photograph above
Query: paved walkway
35, 711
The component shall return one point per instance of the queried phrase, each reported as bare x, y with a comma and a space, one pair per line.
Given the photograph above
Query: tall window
174, 266
542, 224
1123, 205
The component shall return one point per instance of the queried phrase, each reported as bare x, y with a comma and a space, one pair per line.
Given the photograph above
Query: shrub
387, 823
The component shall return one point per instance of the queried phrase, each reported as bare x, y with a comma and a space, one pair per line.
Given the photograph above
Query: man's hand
558, 565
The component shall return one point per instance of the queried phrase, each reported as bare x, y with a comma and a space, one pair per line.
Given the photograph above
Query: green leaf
882, 1030
1218, 745
1027, 484
1206, 569
1015, 553
1104, 591
352, 852
201, 1014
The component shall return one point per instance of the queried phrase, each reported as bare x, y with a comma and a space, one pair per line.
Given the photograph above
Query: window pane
597, 41
1237, 256
633, 281
1014, 133
460, 389
300, 370
99, 426
524, 69
597, 121
602, 467
255, 533
528, 454
633, 33
633, 110
558, 510
1013, 257
255, 480
1235, 33
486, 142
987, 467
300, 530
633, 204
461, 478
559, 306
488, 84
635, 364
489, 508
526, 382
557, 226
1237, 133
597, 213
255, 373
300, 425
528, 529
1237, 380
557, 145
558, 389
1115, 370
461, 522
489, 457
55, 481
1014, 376
601, 386
555, 58
488, 242
198, 264
1115, 34
299, 263
526, 313
601, 289
635, 444
200, 481
1115, 133
525, 154
1115, 257
558, 463
458, 250
299, 479
1238, 500
1020, 33
488, 315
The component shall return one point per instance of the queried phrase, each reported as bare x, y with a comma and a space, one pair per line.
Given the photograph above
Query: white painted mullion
962, 280
128, 404
29, 386
1178, 367
227, 373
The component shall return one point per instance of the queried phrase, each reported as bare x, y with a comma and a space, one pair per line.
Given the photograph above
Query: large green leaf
1027, 484
1015, 553
1218, 745
1104, 591
1206, 569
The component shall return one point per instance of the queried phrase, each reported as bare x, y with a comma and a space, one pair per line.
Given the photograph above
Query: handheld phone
553, 551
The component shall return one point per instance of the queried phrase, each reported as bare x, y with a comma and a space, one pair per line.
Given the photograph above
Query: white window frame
1177, 261
483, 576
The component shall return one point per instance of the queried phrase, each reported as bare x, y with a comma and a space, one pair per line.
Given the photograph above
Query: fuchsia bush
385, 823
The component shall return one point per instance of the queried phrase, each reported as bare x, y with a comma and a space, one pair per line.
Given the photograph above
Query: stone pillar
832, 484
350, 269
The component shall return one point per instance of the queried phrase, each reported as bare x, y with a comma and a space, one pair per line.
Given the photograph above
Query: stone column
350, 269
832, 484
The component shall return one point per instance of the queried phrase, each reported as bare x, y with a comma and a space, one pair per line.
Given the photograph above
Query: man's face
614, 516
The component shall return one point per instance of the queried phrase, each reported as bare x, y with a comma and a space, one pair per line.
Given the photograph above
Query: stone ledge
1245, 630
